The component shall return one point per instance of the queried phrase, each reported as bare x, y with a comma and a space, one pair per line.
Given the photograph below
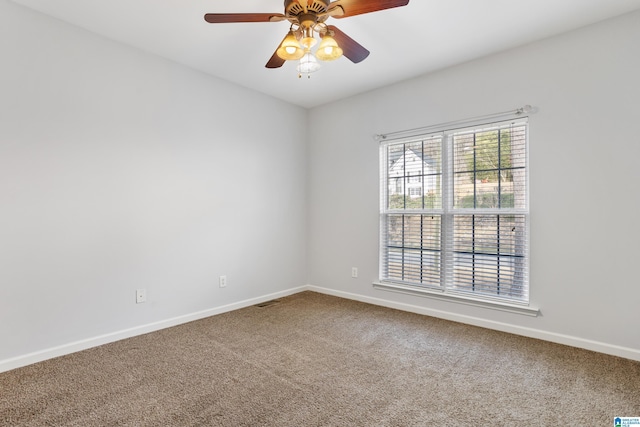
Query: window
462, 228
415, 191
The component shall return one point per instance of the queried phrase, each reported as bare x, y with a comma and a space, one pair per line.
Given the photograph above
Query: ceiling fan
307, 17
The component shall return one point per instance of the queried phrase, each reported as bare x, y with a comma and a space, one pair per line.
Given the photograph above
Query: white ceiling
424, 36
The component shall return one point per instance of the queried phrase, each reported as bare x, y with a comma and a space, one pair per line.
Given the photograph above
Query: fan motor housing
293, 8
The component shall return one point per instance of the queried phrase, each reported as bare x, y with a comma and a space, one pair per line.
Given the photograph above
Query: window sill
460, 299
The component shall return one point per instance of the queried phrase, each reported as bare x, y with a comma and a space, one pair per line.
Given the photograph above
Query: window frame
448, 212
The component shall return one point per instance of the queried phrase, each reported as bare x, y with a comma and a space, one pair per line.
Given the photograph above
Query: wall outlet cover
141, 296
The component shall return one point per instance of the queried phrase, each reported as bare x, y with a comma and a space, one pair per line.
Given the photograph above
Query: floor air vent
267, 303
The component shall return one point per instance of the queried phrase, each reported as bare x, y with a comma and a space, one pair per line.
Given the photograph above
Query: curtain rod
526, 109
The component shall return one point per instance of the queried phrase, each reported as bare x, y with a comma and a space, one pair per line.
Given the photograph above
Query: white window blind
454, 212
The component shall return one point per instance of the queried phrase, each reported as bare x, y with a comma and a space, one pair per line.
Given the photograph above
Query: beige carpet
317, 360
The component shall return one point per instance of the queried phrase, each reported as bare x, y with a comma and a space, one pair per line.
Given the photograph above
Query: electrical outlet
141, 296
354, 272
223, 281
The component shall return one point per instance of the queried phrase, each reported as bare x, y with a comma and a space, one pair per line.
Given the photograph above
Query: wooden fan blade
275, 61
350, 48
358, 7
221, 18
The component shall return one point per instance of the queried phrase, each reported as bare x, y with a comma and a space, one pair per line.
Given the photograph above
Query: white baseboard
600, 347
50, 353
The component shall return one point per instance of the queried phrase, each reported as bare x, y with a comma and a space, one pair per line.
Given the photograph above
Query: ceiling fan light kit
328, 50
308, 17
308, 64
290, 49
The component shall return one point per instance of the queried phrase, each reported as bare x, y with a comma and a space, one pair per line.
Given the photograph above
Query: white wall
584, 157
120, 170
